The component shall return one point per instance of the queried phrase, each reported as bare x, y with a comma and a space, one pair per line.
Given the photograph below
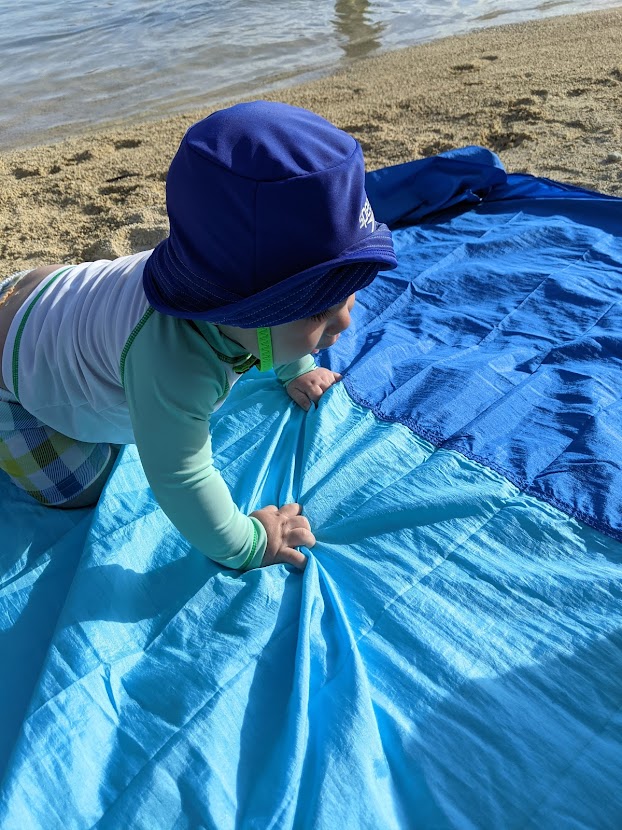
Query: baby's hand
310, 387
286, 529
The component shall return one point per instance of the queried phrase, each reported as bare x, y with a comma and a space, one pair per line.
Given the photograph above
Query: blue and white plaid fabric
49, 466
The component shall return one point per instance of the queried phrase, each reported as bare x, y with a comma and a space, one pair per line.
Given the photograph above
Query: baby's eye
322, 315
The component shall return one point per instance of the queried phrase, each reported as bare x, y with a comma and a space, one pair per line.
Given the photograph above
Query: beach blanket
451, 656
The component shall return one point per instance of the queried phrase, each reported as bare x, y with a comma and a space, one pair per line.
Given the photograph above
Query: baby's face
292, 341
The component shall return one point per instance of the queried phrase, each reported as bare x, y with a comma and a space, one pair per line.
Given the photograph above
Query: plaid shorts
49, 466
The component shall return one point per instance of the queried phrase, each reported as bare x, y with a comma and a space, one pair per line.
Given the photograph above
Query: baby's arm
171, 388
170, 417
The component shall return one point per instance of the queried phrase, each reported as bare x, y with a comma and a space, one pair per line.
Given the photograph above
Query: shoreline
544, 95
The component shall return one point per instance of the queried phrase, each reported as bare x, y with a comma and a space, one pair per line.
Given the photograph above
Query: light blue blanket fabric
451, 657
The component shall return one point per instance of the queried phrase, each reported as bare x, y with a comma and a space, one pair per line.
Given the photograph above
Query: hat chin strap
264, 338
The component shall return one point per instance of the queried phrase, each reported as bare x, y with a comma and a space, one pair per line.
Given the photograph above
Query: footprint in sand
124, 174
127, 144
80, 158
464, 67
91, 209
576, 125
470, 67
434, 147
362, 128
125, 241
118, 193
506, 140
25, 172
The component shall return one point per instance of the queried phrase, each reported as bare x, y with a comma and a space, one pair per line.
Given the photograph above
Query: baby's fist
310, 387
285, 528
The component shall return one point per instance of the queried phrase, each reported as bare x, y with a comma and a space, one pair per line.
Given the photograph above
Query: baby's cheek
307, 340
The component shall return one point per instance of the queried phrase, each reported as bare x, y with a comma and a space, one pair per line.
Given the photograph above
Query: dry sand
546, 96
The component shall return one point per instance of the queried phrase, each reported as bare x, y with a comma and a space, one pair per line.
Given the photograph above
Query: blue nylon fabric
500, 333
451, 657
404, 193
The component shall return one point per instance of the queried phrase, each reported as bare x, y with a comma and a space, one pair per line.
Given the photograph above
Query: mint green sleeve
172, 380
290, 371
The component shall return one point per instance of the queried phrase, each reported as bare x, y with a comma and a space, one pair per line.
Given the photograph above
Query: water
67, 65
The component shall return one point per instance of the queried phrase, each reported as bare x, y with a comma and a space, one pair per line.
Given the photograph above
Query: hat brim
303, 294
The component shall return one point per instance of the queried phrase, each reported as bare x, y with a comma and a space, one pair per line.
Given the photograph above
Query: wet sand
545, 95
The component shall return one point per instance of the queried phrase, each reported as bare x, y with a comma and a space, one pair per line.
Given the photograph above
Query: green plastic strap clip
264, 338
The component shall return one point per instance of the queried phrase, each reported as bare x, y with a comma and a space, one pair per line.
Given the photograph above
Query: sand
545, 95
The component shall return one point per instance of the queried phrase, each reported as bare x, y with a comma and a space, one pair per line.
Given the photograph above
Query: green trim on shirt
225, 392
248, 364
251, 562
130, 340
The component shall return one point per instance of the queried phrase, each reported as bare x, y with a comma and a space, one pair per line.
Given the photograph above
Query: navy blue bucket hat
269, 220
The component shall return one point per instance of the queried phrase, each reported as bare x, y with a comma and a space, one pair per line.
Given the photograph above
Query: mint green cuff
253, 551
290, 371
260, 543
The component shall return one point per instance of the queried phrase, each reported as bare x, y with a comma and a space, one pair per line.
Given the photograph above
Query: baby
271, 234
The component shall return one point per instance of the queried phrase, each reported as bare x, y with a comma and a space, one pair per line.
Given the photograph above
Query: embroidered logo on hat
367, 215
